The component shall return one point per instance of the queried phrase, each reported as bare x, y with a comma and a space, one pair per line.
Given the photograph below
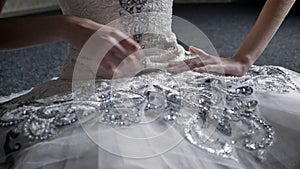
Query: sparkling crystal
245, 90
227, 148
170, 117
261, 154
251, 146
233, 115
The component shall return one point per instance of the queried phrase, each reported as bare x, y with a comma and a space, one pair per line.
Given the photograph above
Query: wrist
67, 24
244, 62
70, 25
56, 26
76, 30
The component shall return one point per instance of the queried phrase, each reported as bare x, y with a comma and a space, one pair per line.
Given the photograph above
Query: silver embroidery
228, 108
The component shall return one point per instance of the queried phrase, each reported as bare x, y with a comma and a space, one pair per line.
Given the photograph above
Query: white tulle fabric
75, 149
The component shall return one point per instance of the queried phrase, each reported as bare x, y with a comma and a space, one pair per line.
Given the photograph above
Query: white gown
155, 120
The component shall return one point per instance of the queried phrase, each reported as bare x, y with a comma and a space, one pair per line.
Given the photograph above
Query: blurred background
225, 22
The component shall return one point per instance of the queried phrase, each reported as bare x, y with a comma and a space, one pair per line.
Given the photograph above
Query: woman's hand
23, 32
235, 66
267, 24
115, 46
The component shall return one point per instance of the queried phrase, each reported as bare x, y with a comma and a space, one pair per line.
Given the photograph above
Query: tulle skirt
88, 144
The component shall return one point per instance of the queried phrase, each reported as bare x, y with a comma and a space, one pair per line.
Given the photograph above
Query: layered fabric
154, 120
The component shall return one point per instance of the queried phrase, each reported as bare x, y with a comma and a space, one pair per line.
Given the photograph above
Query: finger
199, 69
123, 51
180, 63
190, 63
139, 55
113, 59
120, 51
194, 62
211, 69
120, 42
206, 58
198, 51
178, 69
130, 44
108, 64
125, 40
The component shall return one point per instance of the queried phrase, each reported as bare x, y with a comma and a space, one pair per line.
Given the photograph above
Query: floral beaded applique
224, 103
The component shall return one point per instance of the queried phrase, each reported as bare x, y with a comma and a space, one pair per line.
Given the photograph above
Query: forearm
22, 32
264, 29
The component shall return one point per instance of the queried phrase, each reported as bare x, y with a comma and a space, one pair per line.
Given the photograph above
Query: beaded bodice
105, 11
148, 22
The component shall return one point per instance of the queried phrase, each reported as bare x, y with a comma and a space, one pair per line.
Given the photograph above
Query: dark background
226, 25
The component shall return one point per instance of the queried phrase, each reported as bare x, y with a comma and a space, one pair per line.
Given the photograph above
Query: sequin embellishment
220, 114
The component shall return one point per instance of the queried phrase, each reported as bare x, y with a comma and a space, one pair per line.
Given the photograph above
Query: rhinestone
112, 117
251, 146
121, 107
261, 146
17, 146
261, 154
170, 117
245, 90
246, 141
252, 103
227, 148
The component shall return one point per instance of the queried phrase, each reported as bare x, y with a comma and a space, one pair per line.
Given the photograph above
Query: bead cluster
238, 112
218, 114
42, 122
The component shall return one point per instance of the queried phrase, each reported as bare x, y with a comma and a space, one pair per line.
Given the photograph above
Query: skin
23, 32
267, 24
